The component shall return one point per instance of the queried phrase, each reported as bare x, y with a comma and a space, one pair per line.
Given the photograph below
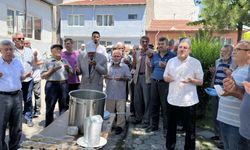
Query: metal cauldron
84, 103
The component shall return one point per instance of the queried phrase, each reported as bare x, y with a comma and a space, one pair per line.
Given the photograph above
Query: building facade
117, 21
35, 18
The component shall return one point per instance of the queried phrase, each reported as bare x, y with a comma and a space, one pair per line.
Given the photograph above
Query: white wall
35, 8
175, 9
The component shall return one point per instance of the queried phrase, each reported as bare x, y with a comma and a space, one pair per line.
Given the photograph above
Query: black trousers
187, 116
55, 91
159, 91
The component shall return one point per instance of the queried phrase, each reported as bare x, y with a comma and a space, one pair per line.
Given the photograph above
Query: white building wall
35, 8
175, 9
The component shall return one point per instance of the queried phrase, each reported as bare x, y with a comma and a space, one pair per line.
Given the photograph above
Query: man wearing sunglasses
25, 55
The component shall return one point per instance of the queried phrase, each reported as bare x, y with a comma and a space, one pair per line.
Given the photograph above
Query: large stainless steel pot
84, 103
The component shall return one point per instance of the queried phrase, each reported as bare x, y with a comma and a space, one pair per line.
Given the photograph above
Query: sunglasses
238, 49
19, 39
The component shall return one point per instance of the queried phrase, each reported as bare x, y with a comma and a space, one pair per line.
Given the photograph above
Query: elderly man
26, 56
159, 88
118, 74
141, 60
231, 88
183, 73
92, 66
11, 74
82, 48
56, 71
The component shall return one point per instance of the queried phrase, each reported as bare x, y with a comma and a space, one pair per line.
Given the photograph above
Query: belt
63, 81
158, 80
142, 73
13, 93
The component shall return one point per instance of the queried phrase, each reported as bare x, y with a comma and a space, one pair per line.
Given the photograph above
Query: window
132, 16
77, 44
127, 42
105, 43
75, 20
228, 41
20, 23
29, 27
10, 21
38, 28
104, 20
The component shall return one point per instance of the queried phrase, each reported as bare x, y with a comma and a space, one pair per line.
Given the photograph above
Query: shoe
145, 125
118, 130
220, 145
215, 138
134, 121
151, 129
36, 114
30, 123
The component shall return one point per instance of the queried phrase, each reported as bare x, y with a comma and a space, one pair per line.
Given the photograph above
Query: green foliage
226, 14
206, 49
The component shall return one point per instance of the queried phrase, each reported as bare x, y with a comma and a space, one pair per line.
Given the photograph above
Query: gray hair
6, 43
186, 40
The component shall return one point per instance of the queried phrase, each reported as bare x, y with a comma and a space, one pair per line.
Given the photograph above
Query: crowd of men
161, 81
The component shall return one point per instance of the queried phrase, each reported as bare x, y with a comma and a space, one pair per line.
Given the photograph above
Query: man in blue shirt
159, 88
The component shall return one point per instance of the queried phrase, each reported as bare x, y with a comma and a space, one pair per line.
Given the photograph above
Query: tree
224, 15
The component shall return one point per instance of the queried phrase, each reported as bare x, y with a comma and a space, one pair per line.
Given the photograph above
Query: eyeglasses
243, 49
144, 41
184, 47
19, 39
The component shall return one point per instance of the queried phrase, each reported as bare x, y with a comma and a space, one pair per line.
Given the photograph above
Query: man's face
225, 53
26, 44
144, 43
7, 52
56, 52
91, 55
19, 41
96, 38
116, 56
68, 45
241, 53
162, 46
183, 50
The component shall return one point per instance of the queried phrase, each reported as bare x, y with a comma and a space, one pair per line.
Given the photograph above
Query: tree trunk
239, 29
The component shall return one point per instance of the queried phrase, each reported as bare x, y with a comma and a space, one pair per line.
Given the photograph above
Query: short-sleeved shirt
72, 59
26, 59
11, 79
116, 90
157, 70
59, 75
219, 73
183, 94
229, 106
245, 112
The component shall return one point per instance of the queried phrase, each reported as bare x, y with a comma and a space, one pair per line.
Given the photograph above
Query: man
118, 75
92, 66
25, 55
225, 61
82, 48
159, 88
99, 48
56, 71
231, 88
36, 69
142, 75
11, 74
183, 73
71, 56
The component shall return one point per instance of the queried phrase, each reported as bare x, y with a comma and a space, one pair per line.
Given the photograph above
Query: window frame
73, 20
103, 20
133, 18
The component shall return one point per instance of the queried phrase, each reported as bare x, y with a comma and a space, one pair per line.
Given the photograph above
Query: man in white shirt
99, 48
183, 73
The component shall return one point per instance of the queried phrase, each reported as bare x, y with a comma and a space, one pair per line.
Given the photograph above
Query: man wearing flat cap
55, 70
92, 66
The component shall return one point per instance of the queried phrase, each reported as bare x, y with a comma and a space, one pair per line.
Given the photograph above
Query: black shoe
220, 145
134, 121
30, 123
36, 114
118, 130
215, 138
151, 129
